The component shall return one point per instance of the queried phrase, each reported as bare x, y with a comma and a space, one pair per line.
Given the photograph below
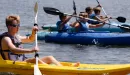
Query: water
67, 52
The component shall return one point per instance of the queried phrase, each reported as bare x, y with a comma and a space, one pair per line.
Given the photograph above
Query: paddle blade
36, 70
74, 7
125, 27
52, 11
36, 12
121, 19
36, 7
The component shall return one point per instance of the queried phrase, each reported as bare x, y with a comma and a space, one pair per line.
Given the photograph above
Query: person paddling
97, 15
89, 11
82, 25
63, 25
11, 44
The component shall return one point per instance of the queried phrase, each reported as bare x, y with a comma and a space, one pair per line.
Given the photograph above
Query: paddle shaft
36, 69
35, 23
121, 26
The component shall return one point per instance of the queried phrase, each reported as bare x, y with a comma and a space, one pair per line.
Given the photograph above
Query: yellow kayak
24, 68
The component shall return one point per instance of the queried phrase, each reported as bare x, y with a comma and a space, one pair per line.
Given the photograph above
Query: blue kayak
92, 38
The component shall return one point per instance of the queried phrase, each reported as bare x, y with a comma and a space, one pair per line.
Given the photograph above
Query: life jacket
65, 28
93, 22
11, 55
83, 27
92, 16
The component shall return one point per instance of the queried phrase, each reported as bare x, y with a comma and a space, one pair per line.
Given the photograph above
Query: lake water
67, 52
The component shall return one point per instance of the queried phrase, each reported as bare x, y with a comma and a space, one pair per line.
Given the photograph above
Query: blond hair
11, 18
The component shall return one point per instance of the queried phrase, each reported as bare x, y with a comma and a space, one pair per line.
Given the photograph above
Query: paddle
54, 11
125, 27
36, 69
121, 19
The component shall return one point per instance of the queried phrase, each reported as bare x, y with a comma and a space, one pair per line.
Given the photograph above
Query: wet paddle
36, 69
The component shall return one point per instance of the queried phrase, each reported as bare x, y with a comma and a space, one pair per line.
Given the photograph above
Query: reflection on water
86, 53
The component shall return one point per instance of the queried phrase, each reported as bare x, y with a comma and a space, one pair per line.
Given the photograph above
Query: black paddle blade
121, 19
74, 7
52, 11
125, 27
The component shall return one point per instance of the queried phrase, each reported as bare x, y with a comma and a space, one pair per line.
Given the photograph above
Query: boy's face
98, 13
63, 18
90, 11
14, 27
83, 16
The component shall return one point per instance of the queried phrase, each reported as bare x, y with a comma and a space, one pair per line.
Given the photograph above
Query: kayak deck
113, 28
24, 68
